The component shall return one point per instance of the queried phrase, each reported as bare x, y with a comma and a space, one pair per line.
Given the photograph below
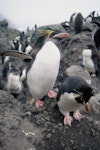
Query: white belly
43, 73
87, 60
89, 65
14, 84
67, 104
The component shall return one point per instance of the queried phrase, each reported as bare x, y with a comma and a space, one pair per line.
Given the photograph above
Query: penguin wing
16, 54
97, 23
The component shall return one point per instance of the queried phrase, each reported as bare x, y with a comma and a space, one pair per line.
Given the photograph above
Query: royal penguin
13, 84
77, 21
91, 60
42, 66
73, 95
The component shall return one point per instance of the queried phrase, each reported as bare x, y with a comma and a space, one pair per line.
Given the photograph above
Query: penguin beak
62, 35
87, 107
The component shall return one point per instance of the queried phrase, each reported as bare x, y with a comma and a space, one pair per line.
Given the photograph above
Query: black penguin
5, 63
77, 21
43, 66
73, 95
96, 36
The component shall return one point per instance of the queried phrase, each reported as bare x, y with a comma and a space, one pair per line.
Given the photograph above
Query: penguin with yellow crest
42, 65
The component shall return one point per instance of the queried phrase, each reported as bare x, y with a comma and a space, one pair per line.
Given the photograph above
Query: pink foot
77, 115
39, 103
68, 120
93, 75
52, 94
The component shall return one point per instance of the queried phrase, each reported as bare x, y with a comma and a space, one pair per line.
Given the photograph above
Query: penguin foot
93, 75
68, 120
77, 115
52, 94
39, 103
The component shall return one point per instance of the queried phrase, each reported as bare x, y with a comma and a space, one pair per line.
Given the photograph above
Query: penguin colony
42, 64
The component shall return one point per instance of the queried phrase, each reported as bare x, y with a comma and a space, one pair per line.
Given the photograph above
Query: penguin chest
43, 73
89, 64
67, 103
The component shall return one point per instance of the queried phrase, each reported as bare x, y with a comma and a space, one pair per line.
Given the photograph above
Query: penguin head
84, 94
40, 36
14, 70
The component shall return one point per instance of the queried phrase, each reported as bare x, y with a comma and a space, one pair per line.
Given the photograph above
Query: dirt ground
24, 127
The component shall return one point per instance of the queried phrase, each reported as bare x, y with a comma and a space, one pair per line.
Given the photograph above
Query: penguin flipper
16, 54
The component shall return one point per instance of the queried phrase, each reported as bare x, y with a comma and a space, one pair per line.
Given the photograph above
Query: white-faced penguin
43, 69
73, 95
91, 60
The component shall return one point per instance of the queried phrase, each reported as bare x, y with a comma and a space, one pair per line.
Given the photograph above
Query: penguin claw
68, 120
52, 94
77, 116
39, 103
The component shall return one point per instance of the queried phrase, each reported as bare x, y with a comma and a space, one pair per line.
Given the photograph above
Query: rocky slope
24, 127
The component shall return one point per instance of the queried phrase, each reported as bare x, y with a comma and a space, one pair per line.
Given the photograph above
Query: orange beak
87, 107
61, 35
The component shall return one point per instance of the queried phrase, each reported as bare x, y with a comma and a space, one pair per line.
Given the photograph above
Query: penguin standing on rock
91, 60
42, 65
73, 95
77, 21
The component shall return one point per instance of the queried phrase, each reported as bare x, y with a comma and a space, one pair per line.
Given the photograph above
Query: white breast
87, 60
43, 73
67, 103
14, 85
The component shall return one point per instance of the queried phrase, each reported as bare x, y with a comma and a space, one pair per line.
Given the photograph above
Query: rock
76, 70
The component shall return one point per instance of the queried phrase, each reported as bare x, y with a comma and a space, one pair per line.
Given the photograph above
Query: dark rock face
24, 127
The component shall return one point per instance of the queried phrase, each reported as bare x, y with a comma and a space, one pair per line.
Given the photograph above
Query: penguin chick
88, 62
73, 95
14, 84
91, 60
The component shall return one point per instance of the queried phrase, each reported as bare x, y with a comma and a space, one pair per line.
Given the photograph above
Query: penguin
14, 84
77, 21
96, 36
42, 65
97, 39
91, 60
73, 95
6, 64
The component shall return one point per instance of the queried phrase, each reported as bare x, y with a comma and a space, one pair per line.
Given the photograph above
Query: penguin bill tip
87, 107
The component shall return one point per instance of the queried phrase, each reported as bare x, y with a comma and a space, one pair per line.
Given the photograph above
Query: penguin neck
56, 41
